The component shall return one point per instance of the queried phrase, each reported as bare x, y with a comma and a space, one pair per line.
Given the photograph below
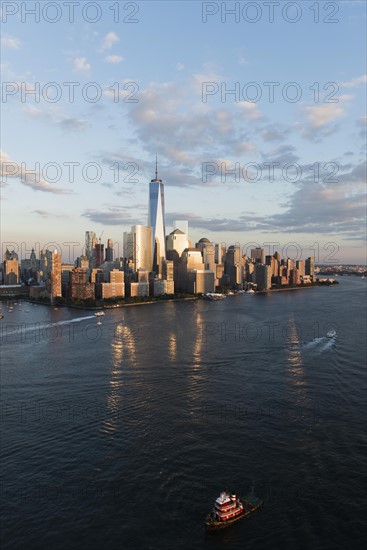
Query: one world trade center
156, 221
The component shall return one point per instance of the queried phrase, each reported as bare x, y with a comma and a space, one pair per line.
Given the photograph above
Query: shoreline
150, 302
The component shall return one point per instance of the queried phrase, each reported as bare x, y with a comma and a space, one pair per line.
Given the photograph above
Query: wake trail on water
319, 345
23, 328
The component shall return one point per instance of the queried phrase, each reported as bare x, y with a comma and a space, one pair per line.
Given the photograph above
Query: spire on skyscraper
156, 166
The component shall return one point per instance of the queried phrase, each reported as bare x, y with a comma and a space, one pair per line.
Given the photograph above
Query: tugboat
228, 509
99, 314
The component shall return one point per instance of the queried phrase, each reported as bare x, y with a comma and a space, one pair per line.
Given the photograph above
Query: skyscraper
138, 247
156, 222
90, 241
55, 290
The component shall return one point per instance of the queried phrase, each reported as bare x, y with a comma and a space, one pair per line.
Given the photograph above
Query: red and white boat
228, 509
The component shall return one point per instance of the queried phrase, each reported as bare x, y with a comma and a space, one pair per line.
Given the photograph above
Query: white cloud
30, 177
32, 111
114, 58
250, 110
319, 116
81, 65
109, 40
11, 42
355, 82
180, 66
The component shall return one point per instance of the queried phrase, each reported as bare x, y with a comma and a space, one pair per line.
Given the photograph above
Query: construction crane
100, 237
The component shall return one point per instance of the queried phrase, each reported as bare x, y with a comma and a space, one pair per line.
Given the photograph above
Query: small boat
213, 296
228, 509
251, 291
99, 314
331, 334
1, 316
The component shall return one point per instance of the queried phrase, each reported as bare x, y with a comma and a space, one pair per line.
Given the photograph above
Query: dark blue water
121, 436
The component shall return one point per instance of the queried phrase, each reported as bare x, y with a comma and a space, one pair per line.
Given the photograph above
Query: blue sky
167, 56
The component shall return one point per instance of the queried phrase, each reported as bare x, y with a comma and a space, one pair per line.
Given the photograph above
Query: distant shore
109, 306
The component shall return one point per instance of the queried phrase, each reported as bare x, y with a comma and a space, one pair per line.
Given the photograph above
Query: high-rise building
98, 254
258, 255
208, 252
11, 268
79, 288
220, 253
138, 247
55, 275
262, 276
177, 241
300, 265
90, 241
156, 222
109, 251
310, 266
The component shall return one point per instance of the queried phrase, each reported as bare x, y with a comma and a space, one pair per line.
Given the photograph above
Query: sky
255, 110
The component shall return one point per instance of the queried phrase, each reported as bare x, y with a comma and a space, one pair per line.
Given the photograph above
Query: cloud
171, 120
31, 177
114, 58
46, 214
354, 82
283, 154
81, 65
249, 110
112, 215
55, 116
336, 209
180, 66
274, 132
319, 116
109, 40
11, 42
71, 123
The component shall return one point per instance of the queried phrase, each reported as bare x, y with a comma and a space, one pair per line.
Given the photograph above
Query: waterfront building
200, 281
11, 268
262, 276
233, 265
115, 288
191, 260
300, 265
55, 276
79, 287
163, 286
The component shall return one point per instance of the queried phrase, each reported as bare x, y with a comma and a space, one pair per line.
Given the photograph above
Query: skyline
179, 114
